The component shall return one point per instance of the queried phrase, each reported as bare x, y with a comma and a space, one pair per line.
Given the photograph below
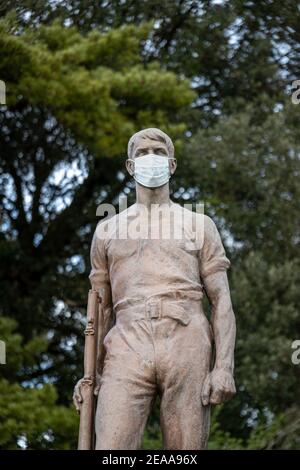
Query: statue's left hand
77, 397
218, 387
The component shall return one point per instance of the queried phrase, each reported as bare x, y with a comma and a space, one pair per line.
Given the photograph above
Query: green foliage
246, 172
72, 98
95, 85
267, 298
19, 355
260, 436
31, 418
263, 159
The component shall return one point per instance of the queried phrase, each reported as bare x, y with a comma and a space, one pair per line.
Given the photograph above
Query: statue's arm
219, 384
106, 322
100, 282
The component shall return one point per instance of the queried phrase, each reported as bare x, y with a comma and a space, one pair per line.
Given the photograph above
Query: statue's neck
149, 196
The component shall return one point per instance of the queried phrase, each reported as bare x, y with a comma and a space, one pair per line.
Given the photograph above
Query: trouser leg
184, 358
127, 389
185, 423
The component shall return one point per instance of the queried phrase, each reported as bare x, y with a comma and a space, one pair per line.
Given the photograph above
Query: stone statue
157, 339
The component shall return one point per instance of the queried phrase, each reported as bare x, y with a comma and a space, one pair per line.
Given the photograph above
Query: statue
153, 336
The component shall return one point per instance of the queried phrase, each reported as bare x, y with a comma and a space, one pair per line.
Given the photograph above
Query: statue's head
151, 157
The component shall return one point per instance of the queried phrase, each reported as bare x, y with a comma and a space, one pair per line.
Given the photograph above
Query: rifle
93, 339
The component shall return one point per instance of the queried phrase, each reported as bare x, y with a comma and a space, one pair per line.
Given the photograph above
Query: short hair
151, 133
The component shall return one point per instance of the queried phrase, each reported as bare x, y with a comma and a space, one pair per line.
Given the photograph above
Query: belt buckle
153, 309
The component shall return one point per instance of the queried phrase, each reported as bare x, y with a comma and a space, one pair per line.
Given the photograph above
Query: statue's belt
180, 310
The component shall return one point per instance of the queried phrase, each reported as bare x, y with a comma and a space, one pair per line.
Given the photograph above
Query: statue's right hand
77, 396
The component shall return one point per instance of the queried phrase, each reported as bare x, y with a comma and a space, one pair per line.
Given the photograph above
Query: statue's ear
130, 167
173, 166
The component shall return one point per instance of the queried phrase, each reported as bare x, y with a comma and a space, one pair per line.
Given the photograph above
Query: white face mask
151, 170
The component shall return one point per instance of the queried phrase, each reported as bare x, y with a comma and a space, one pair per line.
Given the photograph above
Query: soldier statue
154, 338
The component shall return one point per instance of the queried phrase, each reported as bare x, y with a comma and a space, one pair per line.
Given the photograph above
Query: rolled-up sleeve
99, 275
212, 254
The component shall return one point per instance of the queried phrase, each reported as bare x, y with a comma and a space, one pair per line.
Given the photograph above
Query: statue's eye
161, 151
140, 153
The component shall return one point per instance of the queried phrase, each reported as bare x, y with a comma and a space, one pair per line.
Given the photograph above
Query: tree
231, 51
30, 417
238, 152
247, 175
73, 102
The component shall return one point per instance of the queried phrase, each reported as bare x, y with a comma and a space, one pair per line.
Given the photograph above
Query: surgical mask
151, 170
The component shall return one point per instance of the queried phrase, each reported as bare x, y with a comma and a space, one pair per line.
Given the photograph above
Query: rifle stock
92, 336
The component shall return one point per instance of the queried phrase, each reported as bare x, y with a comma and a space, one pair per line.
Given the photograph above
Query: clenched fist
77, 396
218, 387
